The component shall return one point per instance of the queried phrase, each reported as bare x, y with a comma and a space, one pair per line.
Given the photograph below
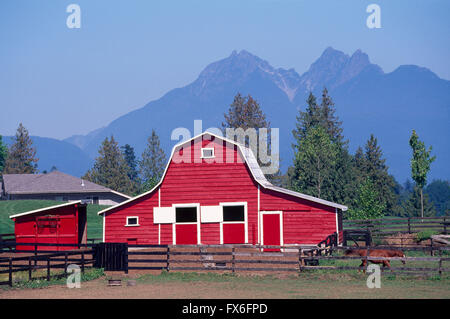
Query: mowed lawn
12, 207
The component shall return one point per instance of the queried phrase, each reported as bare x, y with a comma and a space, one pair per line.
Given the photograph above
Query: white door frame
280, 213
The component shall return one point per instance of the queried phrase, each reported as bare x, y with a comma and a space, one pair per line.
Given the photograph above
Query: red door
186, 234
271, 231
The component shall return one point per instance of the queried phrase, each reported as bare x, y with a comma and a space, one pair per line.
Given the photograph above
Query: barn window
234, 213
132, 221
186, 214
207, 152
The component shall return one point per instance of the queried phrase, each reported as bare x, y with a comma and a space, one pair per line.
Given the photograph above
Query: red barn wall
26, 229
209, 184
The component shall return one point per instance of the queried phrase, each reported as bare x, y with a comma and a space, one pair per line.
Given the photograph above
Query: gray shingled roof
54, 182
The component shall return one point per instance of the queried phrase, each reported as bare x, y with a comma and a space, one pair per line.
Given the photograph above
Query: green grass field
12, 207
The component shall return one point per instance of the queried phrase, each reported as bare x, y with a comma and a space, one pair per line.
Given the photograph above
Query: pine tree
323, 115
110, 168
3, 155
22, 155
371, 164
152, 163
314, 162
420, 164
130, 159
311, 117
245, 113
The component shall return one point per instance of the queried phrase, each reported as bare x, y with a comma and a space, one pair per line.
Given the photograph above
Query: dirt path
246, 288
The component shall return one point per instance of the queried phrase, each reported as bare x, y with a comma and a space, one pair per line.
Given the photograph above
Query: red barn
60, 224
213, 192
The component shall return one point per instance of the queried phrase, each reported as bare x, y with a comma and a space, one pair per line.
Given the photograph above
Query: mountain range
367, 100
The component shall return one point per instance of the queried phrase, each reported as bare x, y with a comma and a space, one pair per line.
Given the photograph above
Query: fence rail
48, 261
399, 225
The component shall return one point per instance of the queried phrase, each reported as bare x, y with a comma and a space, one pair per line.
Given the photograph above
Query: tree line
322, 165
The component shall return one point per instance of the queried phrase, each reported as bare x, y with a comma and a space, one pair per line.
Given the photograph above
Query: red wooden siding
304, 222
209, 183
146, 233
52, 226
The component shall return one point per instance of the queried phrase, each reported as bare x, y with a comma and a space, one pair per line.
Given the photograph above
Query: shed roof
40, 210
53, 182
253, 166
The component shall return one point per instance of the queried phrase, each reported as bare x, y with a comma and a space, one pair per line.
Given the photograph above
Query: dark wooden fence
408, 225
45, 260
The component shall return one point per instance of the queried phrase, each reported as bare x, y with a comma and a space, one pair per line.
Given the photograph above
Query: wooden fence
45, 260
399, 225
248, 258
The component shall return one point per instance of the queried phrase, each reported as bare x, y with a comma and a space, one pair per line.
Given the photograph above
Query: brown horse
375, 253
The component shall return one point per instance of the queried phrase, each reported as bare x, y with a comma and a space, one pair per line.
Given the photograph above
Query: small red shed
214, 192
60, 224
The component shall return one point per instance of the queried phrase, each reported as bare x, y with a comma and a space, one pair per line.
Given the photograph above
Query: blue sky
59, 81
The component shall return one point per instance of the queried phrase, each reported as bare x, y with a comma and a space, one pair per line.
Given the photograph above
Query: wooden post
300, 268
125, 257
445, 226
440, 262
35, 255
30, 268
168, 259
10, 281
409, 225
82, 262
48, 268
65, 263
232, 260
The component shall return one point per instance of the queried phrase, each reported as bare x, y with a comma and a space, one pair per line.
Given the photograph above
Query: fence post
48, 268
10, 282
29, 268
65, 262
232, 260
409, 225
431, 241
440, 262
125, 258
168, 259
300, 268
445, 226
35, 254
82, 262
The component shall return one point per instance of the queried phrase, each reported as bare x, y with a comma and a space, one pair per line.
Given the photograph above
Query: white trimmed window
208, 152
132, 221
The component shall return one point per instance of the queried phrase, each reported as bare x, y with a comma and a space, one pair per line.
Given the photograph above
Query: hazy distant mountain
367, 100
64, 156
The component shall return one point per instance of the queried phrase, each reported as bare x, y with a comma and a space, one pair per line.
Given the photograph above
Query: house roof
253, 166
53, 182
44, 209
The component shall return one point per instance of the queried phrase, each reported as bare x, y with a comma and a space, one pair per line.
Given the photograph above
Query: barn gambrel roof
253, 166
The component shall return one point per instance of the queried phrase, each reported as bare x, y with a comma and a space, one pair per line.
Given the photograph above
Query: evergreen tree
245, 113
420, 164
22, 155
3, 155
152, 163
367, 204
341, 174
439, 193
418, 205
110, 168
313, 164
311, 117
372, 165
130, 159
